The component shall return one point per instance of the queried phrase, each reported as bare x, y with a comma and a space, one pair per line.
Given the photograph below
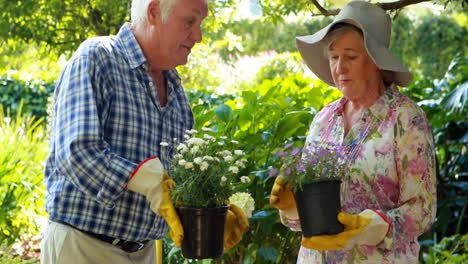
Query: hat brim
312, 49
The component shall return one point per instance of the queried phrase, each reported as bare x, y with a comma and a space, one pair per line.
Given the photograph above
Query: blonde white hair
139, 7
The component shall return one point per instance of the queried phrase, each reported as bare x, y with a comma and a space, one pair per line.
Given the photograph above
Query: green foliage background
260, 111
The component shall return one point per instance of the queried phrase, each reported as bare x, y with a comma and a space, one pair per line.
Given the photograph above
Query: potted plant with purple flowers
314, 173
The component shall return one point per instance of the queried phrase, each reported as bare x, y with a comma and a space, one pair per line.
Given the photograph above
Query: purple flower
273, 172
300, 167
295, 151
280, 154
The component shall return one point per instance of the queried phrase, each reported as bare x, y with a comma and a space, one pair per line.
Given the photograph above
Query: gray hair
139, 7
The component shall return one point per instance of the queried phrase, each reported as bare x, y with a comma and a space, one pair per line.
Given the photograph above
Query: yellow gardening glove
151, 180
282, 198
169, 213
236, 225
367, 228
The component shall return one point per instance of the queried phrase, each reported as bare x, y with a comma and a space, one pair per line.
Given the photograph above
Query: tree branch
385, 6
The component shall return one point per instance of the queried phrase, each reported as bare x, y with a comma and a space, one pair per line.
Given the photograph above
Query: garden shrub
24, 149
34, 94
450, 250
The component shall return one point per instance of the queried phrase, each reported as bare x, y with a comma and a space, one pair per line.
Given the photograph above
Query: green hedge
34, 94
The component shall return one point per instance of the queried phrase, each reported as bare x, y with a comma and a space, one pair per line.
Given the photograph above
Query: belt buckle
132, 246
141, 245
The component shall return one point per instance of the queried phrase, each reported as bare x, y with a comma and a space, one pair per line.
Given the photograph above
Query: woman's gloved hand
281, 196
151, 180
367, 228
236, 225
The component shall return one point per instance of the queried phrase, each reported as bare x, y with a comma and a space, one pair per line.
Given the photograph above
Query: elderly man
115, 101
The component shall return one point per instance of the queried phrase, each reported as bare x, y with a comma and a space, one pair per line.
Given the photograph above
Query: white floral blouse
393, 172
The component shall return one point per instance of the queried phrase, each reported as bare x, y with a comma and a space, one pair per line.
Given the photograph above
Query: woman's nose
341, 66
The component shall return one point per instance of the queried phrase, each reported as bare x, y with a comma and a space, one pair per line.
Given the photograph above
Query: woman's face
353, 71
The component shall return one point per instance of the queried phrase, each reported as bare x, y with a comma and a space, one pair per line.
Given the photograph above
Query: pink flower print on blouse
355, 198
383, 150
417, 166
386, 192
388, 123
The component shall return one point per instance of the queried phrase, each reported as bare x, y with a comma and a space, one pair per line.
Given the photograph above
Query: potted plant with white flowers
314, 173
205, 169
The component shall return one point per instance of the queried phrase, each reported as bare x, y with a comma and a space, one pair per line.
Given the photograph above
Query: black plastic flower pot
203, 231
318, 205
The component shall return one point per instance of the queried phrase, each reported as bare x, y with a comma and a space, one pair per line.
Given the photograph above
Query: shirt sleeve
415, 163
294, 224
83, 156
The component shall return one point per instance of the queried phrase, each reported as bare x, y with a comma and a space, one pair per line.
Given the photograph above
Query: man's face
169, 43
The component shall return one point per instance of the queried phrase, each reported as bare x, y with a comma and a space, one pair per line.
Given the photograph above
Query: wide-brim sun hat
375, 25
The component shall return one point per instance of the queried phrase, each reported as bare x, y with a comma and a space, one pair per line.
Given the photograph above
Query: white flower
207, 158
244, 201
196, 141
234, 142
228, 158
182, 162
206, 129
182, 148
223, 180
223, 137
204, 166
224, 153
7, 120
194, 149
233, 169
245, 179
178, 156
192, 131
164, 144
198, 160
238, 152
240, 163
189, 165
208, 137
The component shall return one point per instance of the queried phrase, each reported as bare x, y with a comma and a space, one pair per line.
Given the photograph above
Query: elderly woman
389, 198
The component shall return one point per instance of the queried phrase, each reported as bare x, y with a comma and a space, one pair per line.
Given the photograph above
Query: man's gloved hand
169, 213
151, 180
236, 225
367, 228
282, 197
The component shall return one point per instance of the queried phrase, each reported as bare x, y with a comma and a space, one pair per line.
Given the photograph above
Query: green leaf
268, 254
224, 113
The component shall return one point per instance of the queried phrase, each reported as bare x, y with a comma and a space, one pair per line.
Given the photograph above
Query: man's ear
153, 12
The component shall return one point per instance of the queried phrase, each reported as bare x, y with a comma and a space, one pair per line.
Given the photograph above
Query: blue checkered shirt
106, 120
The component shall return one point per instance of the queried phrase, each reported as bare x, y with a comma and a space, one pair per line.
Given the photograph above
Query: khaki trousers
63, 244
